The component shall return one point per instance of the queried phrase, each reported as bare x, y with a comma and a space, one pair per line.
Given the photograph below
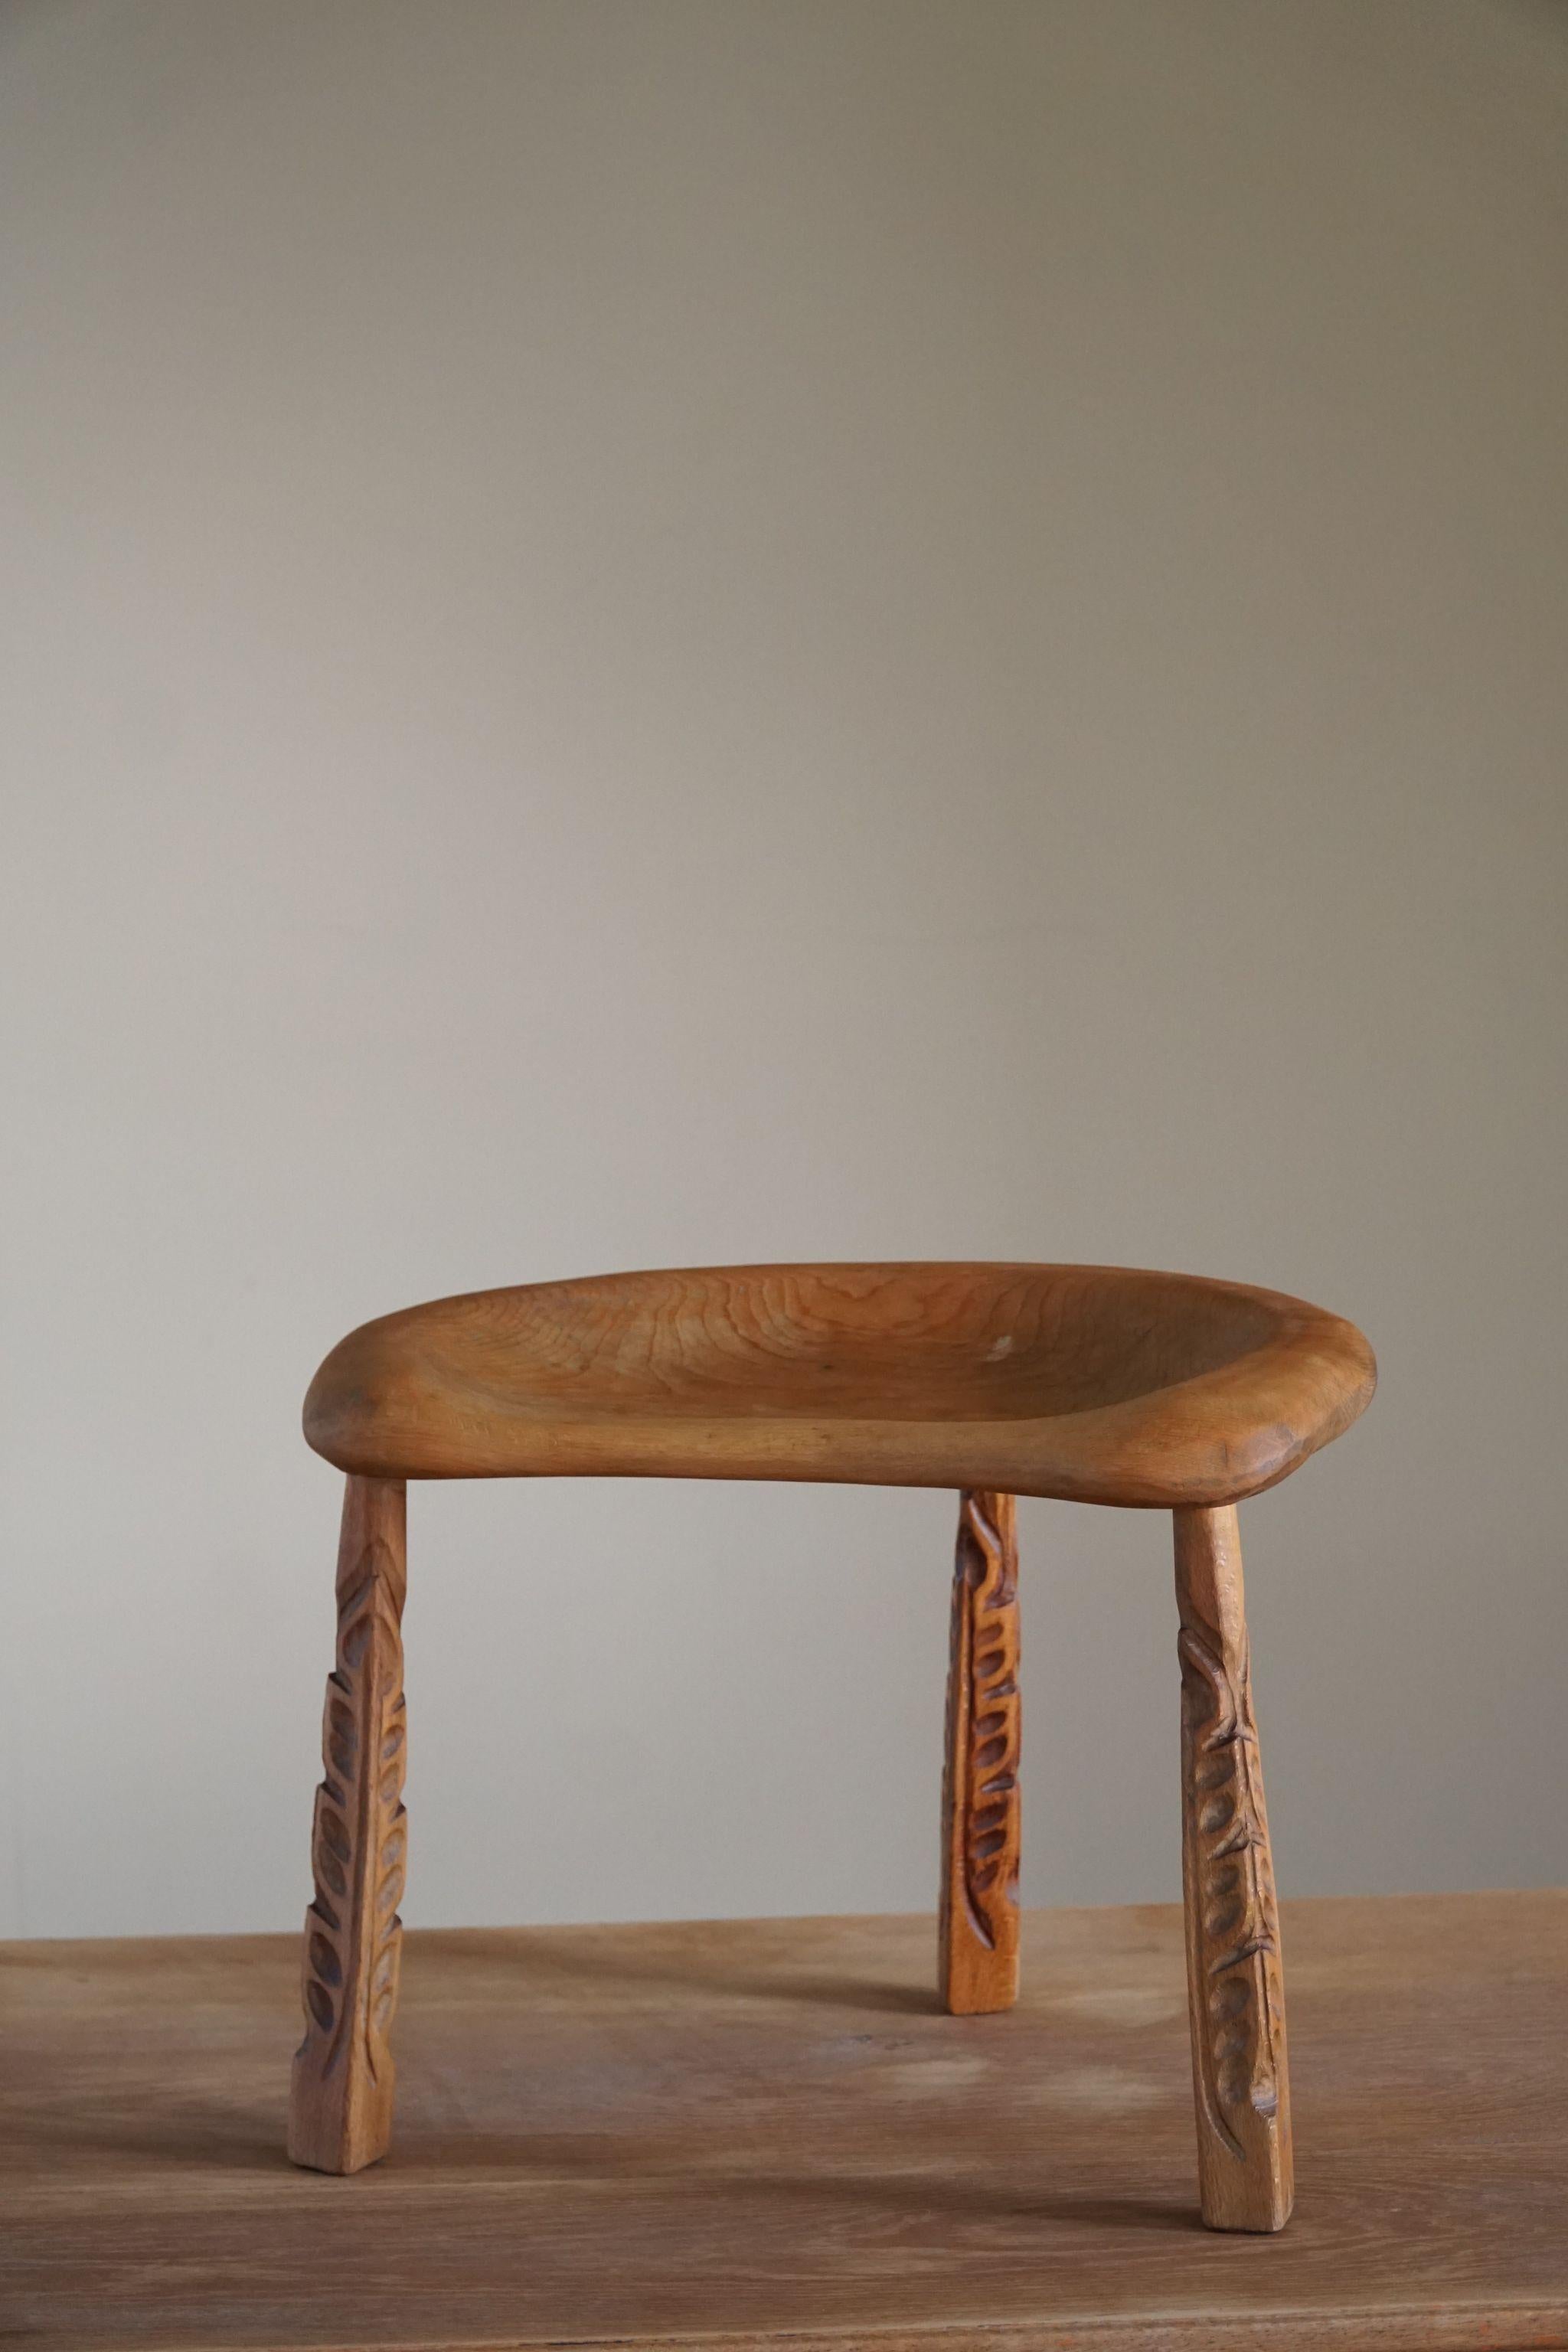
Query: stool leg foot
978, 1961
1236, 1999
340, 2107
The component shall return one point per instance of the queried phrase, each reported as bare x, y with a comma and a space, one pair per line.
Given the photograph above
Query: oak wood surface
1104, 1385
339, 2109
760, 2132
1235, 1994
977, 1920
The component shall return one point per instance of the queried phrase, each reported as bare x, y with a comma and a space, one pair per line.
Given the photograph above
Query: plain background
649, 631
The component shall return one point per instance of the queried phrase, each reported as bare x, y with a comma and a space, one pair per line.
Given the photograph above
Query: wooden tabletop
740, 2133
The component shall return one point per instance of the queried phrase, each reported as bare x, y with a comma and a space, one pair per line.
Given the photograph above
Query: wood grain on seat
1100, 1384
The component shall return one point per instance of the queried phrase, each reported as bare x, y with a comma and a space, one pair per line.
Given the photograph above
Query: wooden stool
1094, 1384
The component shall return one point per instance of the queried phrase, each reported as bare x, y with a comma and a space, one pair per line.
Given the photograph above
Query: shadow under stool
1092, 1384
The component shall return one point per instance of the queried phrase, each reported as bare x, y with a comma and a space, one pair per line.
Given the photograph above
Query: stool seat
1096, 1385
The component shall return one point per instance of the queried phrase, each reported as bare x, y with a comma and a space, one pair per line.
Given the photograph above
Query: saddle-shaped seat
1096, 1385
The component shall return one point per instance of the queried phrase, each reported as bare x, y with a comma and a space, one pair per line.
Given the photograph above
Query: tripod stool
1092, 1384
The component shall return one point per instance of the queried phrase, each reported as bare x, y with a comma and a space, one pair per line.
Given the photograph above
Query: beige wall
651, 630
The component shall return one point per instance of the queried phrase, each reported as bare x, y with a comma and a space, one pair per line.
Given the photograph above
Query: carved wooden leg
1235, 1998
340, 2110
978, 1964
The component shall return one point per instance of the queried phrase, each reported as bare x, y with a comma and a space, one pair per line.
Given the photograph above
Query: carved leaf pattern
353, 1934
1237, 1922
987, 1589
